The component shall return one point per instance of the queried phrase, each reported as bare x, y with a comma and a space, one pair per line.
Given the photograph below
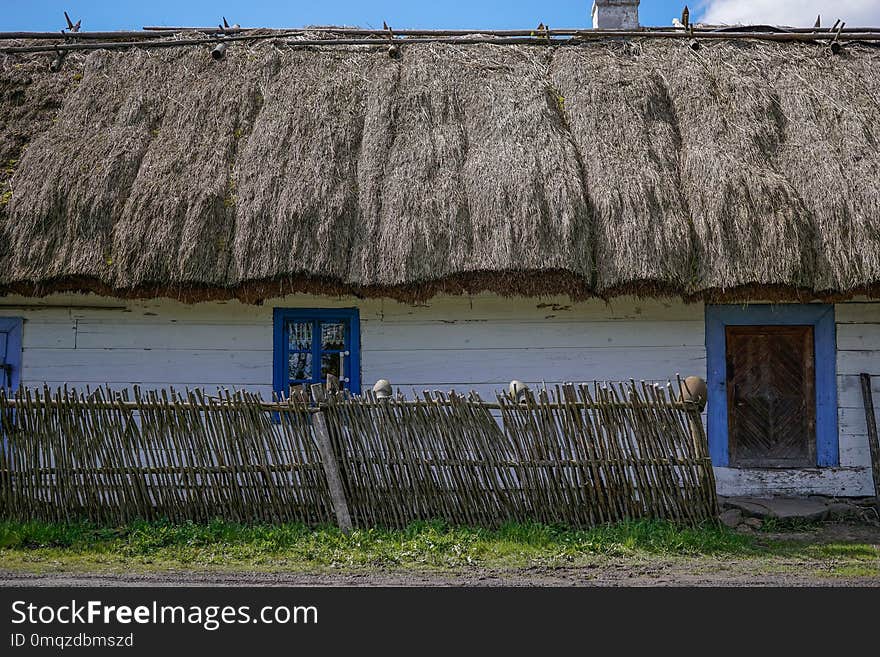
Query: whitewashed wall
479, 342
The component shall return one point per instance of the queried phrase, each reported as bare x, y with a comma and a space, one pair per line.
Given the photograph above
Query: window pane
299, 336
333, 335
300, 366
331, 364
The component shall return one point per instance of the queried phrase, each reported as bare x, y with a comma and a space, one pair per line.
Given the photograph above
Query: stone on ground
791, 508
731, 517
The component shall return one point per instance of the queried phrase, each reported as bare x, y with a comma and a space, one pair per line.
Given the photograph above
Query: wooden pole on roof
379, 39
476, 30
573, 41
157, 32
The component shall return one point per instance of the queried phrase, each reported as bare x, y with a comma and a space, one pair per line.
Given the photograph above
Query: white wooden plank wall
454, 342
858, 350
465, 343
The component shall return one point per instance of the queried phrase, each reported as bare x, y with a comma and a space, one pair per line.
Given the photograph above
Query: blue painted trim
10, 348
10, 354
821, 318
351, 316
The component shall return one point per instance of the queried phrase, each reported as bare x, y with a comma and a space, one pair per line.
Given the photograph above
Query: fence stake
331, 470
873, 440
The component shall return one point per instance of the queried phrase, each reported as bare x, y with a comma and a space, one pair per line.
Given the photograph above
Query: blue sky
498, 14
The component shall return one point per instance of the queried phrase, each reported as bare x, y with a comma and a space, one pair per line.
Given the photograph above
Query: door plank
771, 396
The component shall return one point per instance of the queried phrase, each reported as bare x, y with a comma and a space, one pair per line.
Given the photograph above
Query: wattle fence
576, 455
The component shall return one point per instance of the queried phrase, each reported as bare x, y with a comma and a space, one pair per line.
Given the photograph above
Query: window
772, 385
10, 352
310, 344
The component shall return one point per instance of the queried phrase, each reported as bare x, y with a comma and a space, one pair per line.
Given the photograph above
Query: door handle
736, 399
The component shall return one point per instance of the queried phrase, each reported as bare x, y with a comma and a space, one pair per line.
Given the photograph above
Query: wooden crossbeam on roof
373, 38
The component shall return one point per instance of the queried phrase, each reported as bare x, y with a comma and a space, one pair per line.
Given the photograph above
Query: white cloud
798, 13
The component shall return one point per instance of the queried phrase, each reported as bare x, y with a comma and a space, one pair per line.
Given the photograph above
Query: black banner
257, 621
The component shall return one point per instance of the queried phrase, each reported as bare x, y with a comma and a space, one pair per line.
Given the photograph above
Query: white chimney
615, 14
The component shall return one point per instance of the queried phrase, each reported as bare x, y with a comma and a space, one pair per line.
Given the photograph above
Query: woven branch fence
574, 455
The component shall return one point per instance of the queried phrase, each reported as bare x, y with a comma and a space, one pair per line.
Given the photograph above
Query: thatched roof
616, 166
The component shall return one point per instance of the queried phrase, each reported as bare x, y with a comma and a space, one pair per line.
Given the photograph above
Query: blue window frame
310, 343
10, 352
821, 318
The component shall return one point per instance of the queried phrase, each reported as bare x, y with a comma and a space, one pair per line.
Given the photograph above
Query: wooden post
694, 395
695, 423
331, 467
873, 440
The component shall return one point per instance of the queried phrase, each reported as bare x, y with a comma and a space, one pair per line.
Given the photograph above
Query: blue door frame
821, 318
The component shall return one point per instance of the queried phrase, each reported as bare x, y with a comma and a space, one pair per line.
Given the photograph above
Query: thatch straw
616, 166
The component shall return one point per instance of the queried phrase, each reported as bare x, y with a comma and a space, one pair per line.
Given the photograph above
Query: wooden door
771, 400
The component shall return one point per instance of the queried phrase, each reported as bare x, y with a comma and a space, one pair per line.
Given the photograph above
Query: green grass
38, 546
429, 544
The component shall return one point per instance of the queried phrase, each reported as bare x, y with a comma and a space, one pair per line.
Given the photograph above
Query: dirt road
696, 572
